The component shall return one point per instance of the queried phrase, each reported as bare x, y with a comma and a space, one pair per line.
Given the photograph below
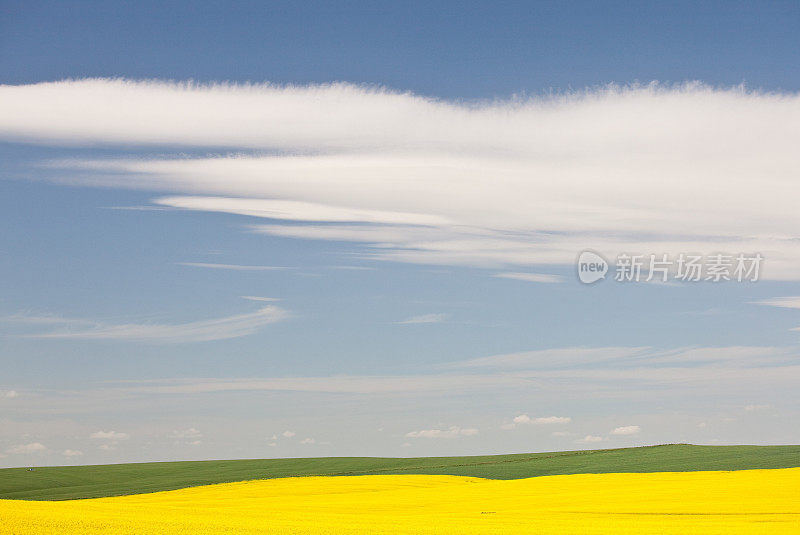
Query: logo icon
591, 267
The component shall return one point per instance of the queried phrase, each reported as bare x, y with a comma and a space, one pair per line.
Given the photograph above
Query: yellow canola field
746, 502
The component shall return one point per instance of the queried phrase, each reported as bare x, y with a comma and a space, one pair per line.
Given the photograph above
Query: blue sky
308, 257
451, 50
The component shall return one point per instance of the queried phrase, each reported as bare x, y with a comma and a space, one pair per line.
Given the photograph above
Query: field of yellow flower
741, 502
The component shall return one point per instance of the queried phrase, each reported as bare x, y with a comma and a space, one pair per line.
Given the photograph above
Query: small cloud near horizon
754, 408
524, 419
452, 432
109, 435
25, 449
627, 430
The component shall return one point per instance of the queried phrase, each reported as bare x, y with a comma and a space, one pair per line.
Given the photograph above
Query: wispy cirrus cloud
782, 302
551, 358
530, 277
231, 267
197, 331
681, 369
423, 318
792, 301
631, 357
509, 185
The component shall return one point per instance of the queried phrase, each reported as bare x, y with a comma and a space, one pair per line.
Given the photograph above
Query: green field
70, 482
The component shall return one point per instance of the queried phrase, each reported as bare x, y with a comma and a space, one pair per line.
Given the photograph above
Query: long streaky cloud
196, 331
792, 301
627, 357
504, 185
580, 380
344, 117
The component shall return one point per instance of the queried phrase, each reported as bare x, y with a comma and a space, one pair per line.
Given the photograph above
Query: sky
250, 230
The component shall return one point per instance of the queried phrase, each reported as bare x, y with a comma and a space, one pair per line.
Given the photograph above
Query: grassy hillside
69, 482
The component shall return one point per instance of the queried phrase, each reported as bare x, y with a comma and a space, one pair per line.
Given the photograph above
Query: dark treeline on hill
71, 482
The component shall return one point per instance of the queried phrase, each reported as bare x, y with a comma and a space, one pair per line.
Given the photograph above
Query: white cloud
24, 449
451, 432
627, 430
424, 318
500, 184
8, 393
590, 439
109, 435
530, 277
288, 434
196, 331
72, 453
231, 267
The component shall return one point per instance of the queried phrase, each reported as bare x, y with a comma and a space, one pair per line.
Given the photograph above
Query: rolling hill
72, 482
